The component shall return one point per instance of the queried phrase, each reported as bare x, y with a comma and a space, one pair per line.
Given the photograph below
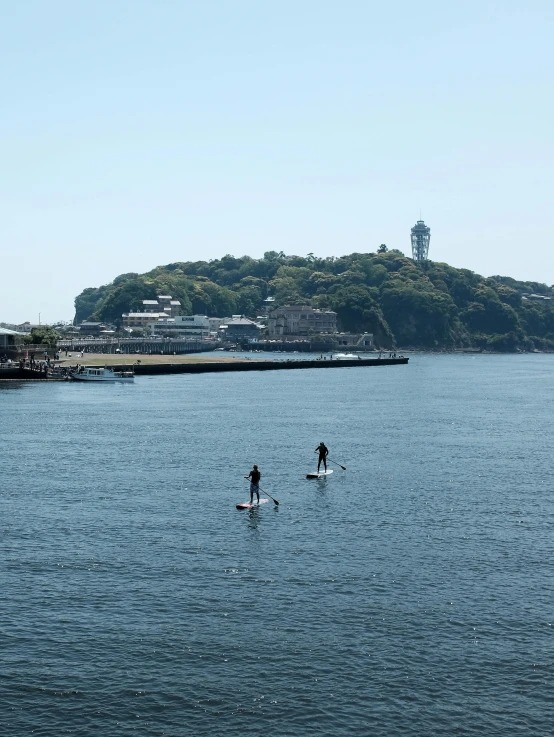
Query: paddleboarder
323, 453
254, 477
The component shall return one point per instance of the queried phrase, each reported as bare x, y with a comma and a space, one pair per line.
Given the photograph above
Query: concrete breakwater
203, 367
215, 367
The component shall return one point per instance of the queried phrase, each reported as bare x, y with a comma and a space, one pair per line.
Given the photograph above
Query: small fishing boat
97, 373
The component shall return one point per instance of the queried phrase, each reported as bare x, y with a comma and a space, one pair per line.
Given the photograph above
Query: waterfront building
421, 235
300, 320
10, 339
190, 326
240, 328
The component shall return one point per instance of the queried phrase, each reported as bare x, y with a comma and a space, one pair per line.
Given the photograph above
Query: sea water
410, 595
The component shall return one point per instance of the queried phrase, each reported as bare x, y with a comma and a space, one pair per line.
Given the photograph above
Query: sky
139, 133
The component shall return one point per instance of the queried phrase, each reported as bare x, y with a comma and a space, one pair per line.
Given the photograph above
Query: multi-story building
141, 319
189, 326
164, 303
167, 304
240, 328
300, 320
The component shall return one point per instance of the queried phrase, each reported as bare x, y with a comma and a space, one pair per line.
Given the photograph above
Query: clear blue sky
140, 133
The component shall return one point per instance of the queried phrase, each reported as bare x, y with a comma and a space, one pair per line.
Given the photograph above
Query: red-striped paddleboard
247, 505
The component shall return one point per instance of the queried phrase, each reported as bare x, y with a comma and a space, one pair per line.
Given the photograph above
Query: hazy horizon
136, 135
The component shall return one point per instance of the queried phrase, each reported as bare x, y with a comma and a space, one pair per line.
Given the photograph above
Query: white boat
97, 373
346, 355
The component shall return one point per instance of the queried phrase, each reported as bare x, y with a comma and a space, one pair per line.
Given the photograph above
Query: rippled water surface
410, 595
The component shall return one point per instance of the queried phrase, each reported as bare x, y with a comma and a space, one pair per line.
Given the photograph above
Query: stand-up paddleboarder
254, 477
323, 453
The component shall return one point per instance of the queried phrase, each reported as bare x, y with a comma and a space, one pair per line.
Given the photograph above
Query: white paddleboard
247, 505
318, 475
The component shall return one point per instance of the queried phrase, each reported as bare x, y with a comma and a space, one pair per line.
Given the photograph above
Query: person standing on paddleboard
254, 477
323, 453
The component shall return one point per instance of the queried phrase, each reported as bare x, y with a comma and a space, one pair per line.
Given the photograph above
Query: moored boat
98, 373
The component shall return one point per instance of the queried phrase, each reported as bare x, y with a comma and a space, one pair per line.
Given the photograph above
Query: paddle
265, 492
336, 464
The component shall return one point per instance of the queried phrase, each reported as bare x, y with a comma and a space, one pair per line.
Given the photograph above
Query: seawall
210, 367
213, 367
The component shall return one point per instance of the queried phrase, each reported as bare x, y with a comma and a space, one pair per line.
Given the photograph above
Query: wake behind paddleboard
247, 505
318, 474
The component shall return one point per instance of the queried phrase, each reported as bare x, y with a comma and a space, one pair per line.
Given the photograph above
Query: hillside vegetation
404, 304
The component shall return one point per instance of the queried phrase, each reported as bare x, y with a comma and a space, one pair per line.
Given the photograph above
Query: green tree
43, 335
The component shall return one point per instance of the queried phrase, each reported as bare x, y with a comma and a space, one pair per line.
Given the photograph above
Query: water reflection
11, 385
253, 518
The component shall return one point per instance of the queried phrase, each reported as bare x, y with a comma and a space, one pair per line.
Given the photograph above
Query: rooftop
240, 321
149, 315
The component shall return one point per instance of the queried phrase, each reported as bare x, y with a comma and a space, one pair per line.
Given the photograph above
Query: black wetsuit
323, 453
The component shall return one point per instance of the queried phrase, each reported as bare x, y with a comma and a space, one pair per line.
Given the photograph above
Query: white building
189, 326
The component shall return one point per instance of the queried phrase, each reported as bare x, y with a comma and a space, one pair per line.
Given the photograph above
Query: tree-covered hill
404, 304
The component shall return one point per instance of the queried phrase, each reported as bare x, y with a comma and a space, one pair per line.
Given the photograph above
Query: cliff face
431, 305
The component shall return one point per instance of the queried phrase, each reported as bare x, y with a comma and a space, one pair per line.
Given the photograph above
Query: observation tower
421, 235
